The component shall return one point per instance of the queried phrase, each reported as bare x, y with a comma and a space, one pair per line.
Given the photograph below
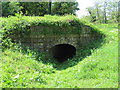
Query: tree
10, 8
113, 10
92, 13
104, 10
98, 11
34, 8
62, 8
39, 8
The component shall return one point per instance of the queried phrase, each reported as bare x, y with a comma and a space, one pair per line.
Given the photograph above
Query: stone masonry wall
44, 42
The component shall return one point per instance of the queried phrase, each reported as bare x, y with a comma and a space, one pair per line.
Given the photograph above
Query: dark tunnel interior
62, 52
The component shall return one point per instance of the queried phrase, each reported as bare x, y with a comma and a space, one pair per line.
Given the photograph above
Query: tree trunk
49, 6
98, 15
119, 12
104, 14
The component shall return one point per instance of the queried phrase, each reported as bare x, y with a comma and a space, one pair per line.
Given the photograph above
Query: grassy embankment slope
98, 70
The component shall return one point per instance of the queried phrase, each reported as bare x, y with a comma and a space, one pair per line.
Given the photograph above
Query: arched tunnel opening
62, 52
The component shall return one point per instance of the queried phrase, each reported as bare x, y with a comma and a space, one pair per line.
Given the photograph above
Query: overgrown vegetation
22, 23
96, 67
20, 26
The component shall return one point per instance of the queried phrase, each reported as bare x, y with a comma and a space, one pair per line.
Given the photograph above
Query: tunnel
62, 52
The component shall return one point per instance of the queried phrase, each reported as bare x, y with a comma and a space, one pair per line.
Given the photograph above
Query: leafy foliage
34, 8
62, 8
38, 8
23, 68
10, 8
105, 11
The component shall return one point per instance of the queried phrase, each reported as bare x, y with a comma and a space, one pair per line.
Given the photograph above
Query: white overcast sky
82, 5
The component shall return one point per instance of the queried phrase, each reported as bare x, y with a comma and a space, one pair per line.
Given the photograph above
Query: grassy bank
97, 70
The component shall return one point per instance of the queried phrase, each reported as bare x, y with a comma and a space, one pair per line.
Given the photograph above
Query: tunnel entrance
63, 52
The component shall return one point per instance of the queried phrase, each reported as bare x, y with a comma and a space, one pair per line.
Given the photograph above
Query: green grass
97, 69
52, 25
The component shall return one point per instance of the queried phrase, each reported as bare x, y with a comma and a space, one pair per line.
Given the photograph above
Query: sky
82, 5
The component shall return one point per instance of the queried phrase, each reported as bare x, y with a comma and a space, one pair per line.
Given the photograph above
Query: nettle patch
55, 35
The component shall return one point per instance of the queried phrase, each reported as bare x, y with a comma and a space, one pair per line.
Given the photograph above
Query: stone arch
69, 43
62, 52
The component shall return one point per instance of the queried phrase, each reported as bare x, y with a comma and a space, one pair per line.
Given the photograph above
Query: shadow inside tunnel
62, 52
65, 56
